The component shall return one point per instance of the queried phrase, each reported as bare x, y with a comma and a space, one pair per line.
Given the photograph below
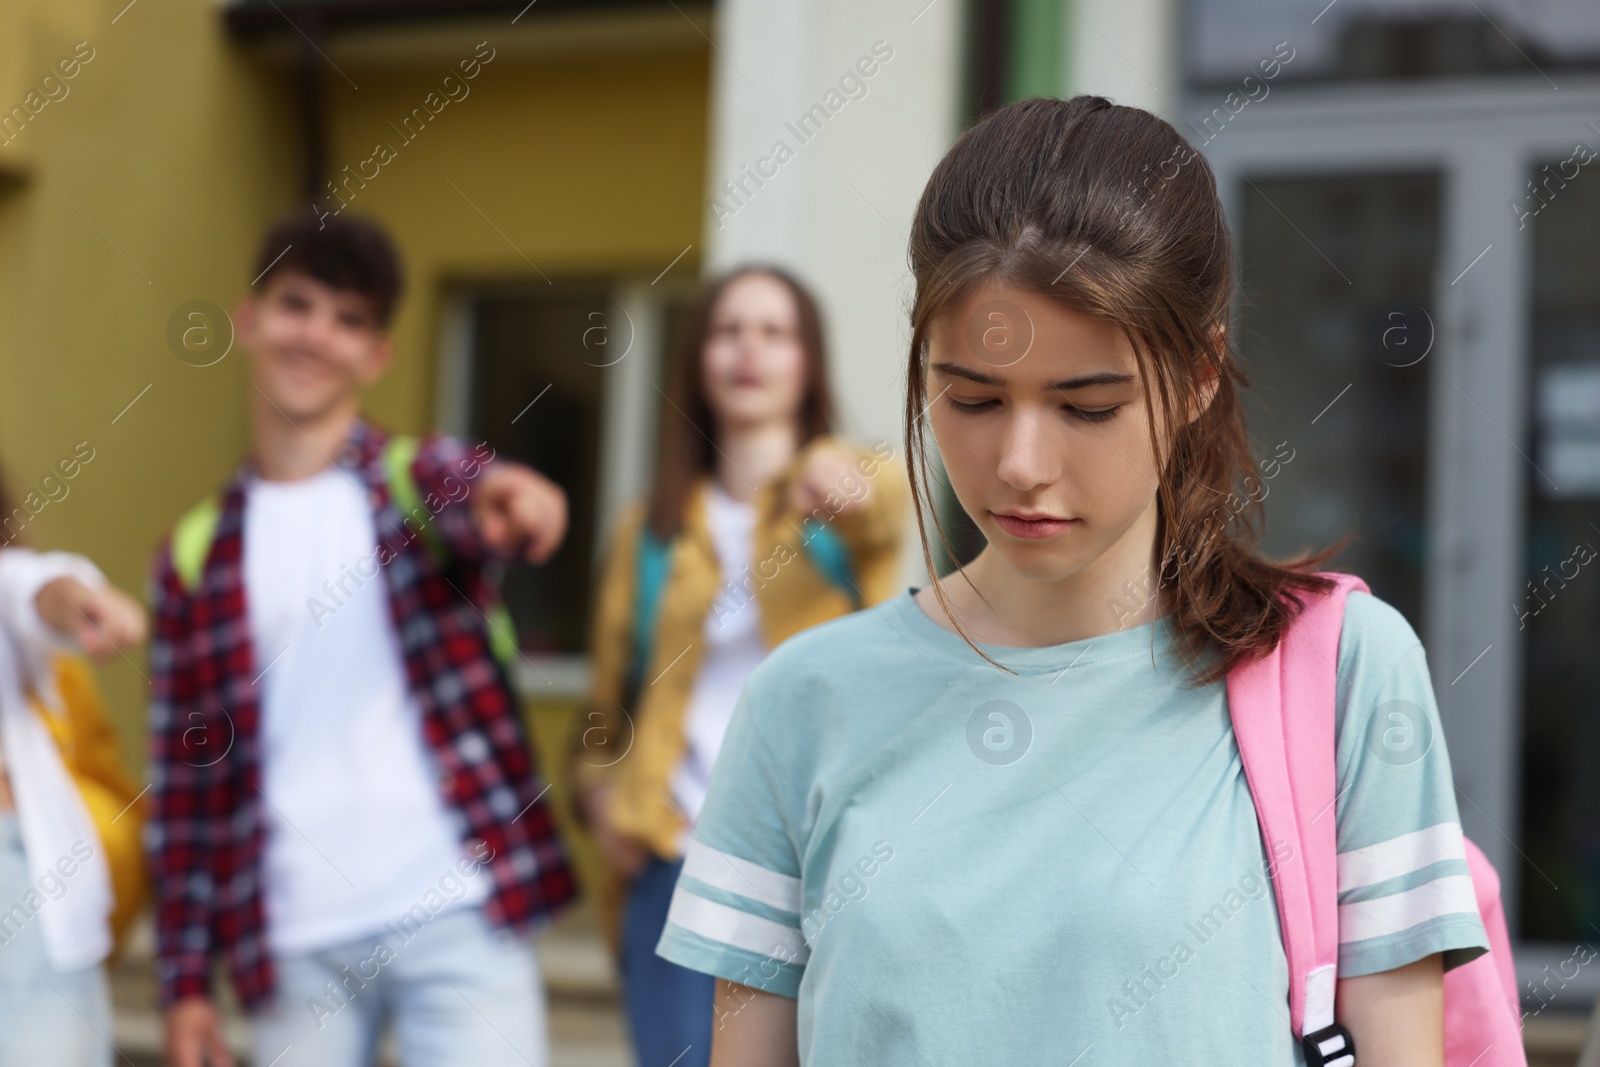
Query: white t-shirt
358, 831
734, 646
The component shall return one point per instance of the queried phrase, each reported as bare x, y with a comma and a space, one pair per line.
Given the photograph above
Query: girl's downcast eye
1086, 414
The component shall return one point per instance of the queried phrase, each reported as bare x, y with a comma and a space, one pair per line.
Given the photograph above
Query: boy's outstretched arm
480, 503
519, 511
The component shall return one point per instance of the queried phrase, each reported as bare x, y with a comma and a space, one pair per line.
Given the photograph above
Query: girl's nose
1025, 459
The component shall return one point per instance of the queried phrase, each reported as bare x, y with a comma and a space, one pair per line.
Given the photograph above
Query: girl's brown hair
1109, 211
687, 426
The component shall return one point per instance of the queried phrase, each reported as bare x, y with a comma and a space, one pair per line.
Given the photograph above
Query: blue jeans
669, 1007
458, 992
46, 1016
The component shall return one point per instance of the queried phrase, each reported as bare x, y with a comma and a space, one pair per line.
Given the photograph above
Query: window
536, 397
564, 378
1364, 40
1332, 329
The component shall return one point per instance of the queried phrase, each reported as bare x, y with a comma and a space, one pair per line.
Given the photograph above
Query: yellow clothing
88, 745
791, 595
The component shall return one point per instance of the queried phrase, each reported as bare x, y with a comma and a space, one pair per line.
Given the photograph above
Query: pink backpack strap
1282, 706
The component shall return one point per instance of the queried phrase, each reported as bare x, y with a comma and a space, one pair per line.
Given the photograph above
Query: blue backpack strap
653, 560
831, 556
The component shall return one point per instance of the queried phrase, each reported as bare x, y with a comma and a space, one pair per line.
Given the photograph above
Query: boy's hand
828, 468
194, 1035
103, 621
625, 855
519, 510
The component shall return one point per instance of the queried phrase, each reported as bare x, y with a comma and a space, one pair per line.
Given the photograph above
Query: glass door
1557, 610
1335, 274
1427, 322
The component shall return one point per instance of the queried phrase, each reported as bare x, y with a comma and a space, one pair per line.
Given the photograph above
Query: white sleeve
23, 572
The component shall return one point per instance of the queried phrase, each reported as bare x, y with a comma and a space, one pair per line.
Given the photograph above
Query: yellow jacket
88, 745
791, 595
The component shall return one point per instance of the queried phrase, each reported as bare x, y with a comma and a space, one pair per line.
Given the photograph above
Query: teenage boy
343, 803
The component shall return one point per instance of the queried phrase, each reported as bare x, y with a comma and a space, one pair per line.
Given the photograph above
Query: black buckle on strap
1331, 1046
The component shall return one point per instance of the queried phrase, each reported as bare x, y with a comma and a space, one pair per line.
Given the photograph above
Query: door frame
630, 340
1482, 136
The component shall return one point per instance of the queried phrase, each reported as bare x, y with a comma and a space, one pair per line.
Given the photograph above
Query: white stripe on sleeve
730, 926
1401, 911
734, 875
1400, 855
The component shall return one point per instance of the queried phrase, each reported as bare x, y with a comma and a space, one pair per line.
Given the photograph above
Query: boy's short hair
341, 251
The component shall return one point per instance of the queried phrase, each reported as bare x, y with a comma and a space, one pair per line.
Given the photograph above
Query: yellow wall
584, 144
171, 149
583, 166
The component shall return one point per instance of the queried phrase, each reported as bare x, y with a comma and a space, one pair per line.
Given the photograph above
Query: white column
827, 118
1125, 51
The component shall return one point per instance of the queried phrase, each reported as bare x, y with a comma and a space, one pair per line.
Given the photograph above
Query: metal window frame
630, 407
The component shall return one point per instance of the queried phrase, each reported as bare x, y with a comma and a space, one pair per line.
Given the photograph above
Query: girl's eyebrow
1081, 382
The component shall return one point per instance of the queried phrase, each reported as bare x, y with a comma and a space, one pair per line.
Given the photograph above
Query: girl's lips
1032, 529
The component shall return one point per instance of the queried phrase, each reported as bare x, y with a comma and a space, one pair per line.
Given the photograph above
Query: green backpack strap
191, 541
196, 529
399, 453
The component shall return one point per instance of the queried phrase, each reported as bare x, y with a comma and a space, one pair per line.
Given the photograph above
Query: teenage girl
763, 523
1002, 819
71, 867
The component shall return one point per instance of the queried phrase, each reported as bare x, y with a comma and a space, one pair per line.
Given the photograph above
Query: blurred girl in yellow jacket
761, 523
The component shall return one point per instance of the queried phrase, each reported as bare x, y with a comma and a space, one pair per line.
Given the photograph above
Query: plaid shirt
206, 832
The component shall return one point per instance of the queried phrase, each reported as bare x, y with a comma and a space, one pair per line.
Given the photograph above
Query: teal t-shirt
949, 864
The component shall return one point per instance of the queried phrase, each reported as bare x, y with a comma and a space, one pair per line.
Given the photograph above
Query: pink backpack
1289, 763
